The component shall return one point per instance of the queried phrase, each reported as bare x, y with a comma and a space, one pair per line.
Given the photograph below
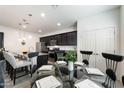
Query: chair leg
123, 80
109, 82
31, 70
26, 69
14, 76
75, 72
106, 82
9, 68
6, 66
112, 84
11, 73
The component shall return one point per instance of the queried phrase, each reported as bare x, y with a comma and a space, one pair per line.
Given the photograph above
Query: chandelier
22, 26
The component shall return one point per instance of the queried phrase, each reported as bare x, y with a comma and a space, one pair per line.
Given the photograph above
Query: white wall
60, 31
122, 38
12, 42
102, 20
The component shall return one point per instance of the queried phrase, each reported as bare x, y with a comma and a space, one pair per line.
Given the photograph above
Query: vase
70, 66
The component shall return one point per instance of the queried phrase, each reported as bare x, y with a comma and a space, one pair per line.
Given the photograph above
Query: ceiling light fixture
29, 14
24, 26
24, 20
58, 24
30, 37
20, 39
42, 14
39, 31
23, 38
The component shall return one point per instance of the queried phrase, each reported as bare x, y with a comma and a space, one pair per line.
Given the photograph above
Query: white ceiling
66, 14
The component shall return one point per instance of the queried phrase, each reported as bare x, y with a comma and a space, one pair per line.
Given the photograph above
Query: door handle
95, 54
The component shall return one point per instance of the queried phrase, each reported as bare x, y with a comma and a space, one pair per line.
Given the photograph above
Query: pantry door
98, 41
89, 44
105, 42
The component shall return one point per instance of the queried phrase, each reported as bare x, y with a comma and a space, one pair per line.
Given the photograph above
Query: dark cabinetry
69, 38
59, 39
1, 39
64, 39
72, 38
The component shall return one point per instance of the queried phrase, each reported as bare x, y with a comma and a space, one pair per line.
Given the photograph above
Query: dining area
46, 70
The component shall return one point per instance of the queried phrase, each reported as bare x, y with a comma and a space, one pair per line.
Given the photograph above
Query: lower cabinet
42, 60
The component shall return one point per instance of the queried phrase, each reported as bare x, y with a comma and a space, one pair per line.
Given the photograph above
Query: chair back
86, 56
123, 80
10, 58
112, 61
42, 60
53, 55
60, 55
33, 57
33, 54
2, 82
58, 71
1, 56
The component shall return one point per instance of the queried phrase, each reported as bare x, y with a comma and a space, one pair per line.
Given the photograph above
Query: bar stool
33, 58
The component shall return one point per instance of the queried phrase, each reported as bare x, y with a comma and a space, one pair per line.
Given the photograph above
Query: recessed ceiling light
30, 37
20, 39
24, 26
39, 30
58, 24
42, 14
23, 38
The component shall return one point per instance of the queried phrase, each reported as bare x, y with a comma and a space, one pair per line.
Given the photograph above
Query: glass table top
68, 78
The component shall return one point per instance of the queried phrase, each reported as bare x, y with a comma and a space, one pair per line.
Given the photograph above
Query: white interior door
98, 41
88, 43
105, 42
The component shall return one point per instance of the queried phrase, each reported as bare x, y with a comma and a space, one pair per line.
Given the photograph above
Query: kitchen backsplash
63, 47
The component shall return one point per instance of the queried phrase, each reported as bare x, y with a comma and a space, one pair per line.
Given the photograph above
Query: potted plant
71, 57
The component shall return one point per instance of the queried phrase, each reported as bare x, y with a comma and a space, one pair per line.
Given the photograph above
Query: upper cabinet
64, 39
69, 38
72, 38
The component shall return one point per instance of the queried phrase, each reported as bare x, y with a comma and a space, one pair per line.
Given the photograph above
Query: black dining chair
2, 82
112, 61
52, 56
86, 56
33, 56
